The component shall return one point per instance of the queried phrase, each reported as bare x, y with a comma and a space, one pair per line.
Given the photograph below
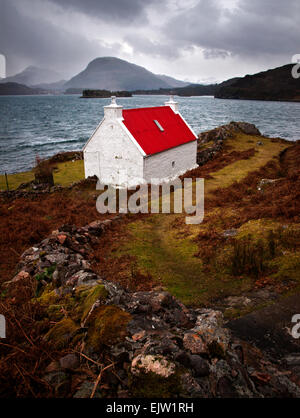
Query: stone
61, 238
199, 365
70, 361
183, 358
190, 386
207, 333
230, 233
247, 128
57, 258
95, 227
22, 275
139, 335
159, 300
193, 342
155, 364
225, 388
82, 277
267, 182
292, 359
234, 301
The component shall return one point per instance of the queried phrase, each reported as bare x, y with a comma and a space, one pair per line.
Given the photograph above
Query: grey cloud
216, 53
260, 30
25, 40
255, 27
145, 45
116, 10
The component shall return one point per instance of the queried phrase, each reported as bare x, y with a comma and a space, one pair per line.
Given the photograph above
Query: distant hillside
190, 90
94, 94
114, 74
32, 76
197, 90
56, 86
18, 89
275, 84
173, 82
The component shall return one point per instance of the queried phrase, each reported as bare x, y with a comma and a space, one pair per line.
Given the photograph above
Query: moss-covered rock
48, 297
86, 297
106, 325
55, 312
62, 333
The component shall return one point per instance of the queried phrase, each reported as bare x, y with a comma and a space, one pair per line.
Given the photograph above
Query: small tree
43, 171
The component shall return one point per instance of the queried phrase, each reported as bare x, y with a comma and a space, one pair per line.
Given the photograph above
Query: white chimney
113, 111
173, 105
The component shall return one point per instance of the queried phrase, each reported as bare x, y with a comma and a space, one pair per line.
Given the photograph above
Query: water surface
45, 125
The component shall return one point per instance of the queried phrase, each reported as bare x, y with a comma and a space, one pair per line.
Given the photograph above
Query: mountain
33, 76
275, 84
196, 90
190, 89
58, 85
229, 82
114, 74
173, 82
18, 89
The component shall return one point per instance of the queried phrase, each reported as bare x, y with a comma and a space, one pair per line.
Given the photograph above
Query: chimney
113, 111
173, 105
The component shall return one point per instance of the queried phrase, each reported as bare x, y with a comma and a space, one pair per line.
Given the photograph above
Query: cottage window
158, 125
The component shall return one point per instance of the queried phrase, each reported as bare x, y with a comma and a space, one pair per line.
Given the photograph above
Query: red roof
141, 124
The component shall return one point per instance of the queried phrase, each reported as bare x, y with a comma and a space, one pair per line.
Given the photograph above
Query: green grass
239, 169
158, 251
65, 174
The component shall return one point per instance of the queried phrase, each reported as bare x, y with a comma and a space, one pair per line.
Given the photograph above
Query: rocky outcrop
62, 157
227, 131
145, 344
203, 156
218, 135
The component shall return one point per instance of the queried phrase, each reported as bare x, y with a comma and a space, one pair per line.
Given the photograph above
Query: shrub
249, 257
43, 171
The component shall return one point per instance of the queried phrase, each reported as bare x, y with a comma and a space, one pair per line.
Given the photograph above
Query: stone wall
149, 342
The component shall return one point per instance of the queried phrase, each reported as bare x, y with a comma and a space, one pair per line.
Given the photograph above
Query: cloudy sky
195, 40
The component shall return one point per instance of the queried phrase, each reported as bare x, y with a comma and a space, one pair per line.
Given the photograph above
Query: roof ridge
145, 108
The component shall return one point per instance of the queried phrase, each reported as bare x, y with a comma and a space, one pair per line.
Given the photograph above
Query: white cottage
135, 146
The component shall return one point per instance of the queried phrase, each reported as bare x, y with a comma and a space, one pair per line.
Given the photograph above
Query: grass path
163, 245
